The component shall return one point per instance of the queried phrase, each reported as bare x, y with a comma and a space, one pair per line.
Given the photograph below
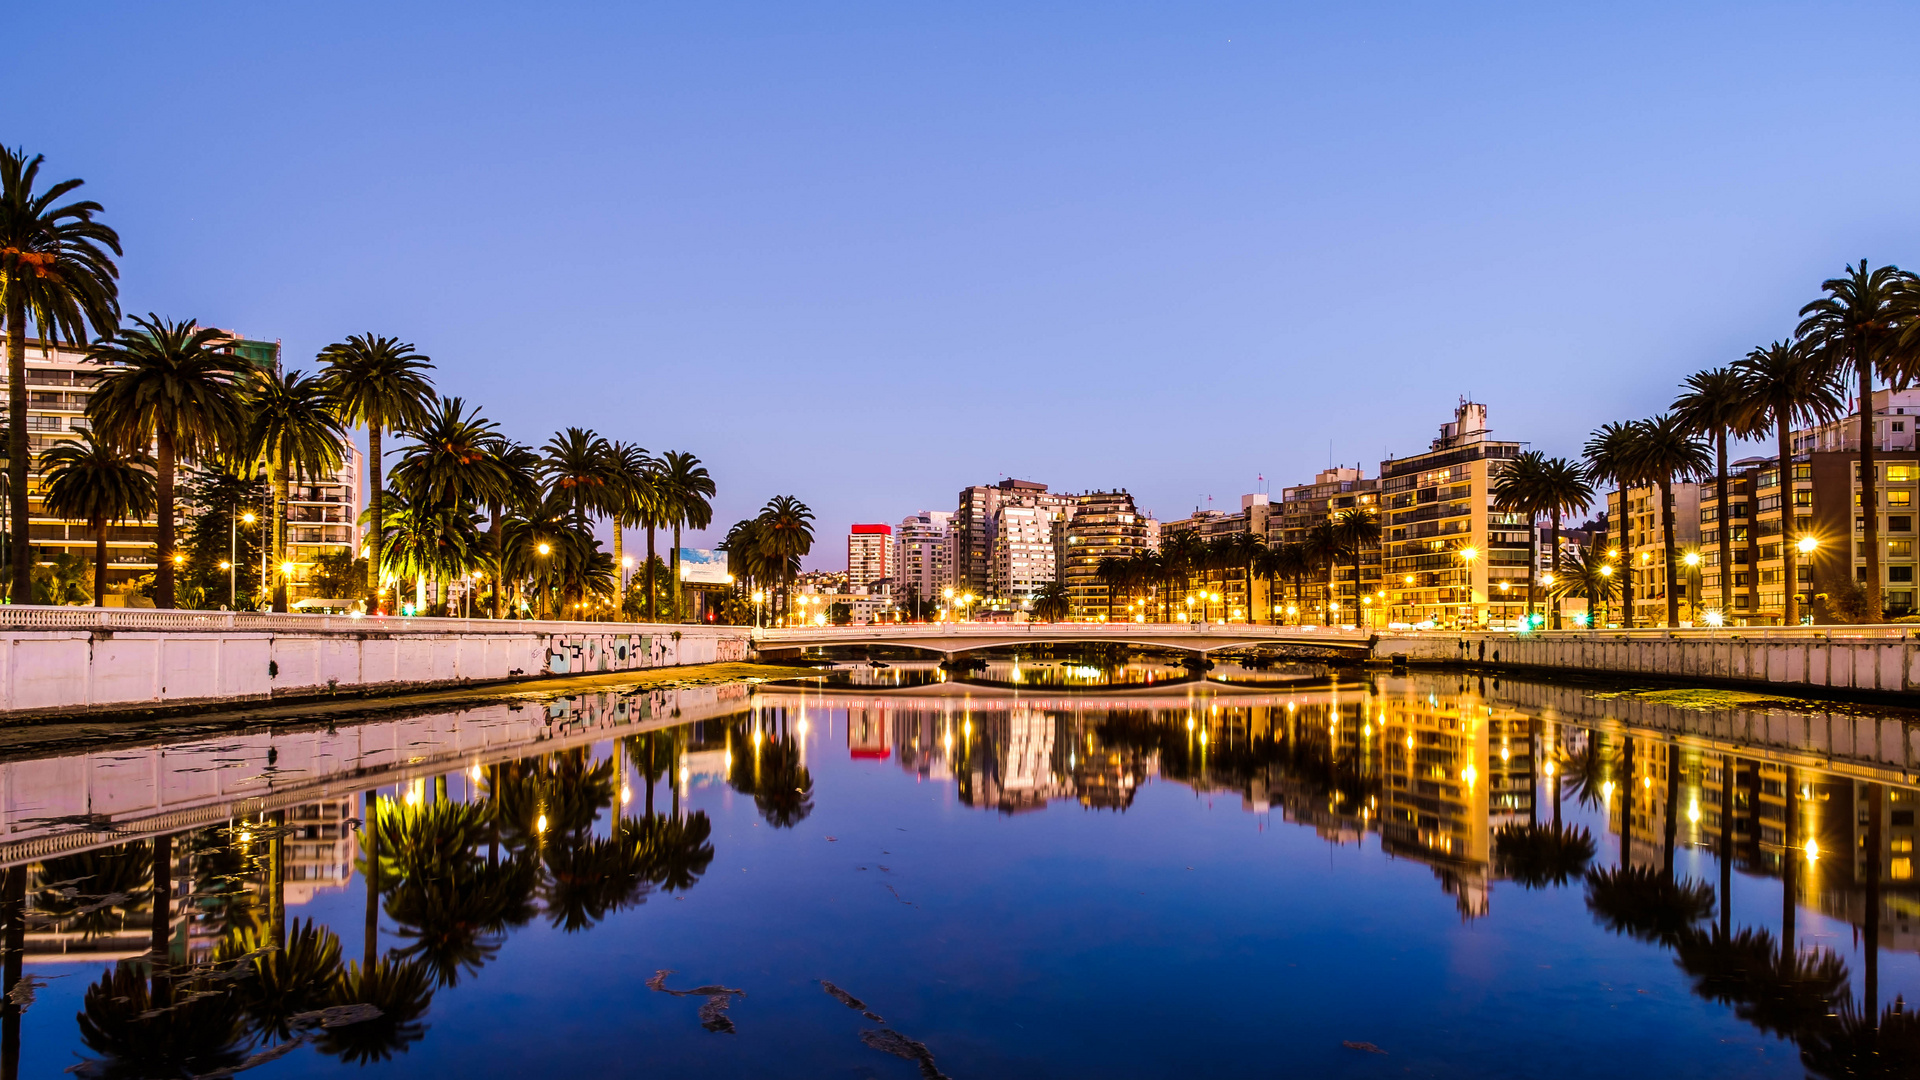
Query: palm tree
1585, 572
637, 493
1521, 489
685, 488
520, 468
1853, 330
1713, 404
170, 384
1050, 603
292, 424
1321, 548
383, 383
55, 271
1666, 451
1247, 551
459, 459
1564, 489
786, 527
1112, 572
1784, 384
1610, 457
1290, 561
91, 481
1357, 531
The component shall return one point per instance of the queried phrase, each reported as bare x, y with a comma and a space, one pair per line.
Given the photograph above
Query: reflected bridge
951, 639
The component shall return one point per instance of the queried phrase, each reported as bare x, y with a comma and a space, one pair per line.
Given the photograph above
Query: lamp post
1467, 555
1692, 559
1546, 579
234, 553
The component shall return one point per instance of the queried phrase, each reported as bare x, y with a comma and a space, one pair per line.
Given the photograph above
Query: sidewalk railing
33, 617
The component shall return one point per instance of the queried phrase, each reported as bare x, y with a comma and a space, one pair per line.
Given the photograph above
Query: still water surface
1091, 876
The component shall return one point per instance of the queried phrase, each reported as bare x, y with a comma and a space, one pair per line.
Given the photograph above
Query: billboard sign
703, 566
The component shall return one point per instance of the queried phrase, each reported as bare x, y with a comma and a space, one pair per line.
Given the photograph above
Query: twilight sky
867, 254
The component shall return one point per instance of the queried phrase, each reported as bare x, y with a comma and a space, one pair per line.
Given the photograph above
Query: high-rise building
1830, 454
1105, 525
1733, 592
1447, 550
921, 550
1333, 492
1647, 550
979, 560
321, 513
1257, 517
869, 554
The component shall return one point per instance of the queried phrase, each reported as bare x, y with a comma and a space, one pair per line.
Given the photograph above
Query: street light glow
1807, 544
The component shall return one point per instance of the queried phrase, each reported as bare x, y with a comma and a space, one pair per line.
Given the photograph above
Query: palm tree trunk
1789, 554
161, 939
1726, 844
1626, 561
163, 572
13, 900
22, 528
1554, 554
1869, 487
100, 562
653, 615
370, 825
1726, 526
619, 569
1626, 805
1790, 869
1673, 564
279, 545
674, 574
1358, 607
494, 527
1671, 813
1533, 562
379, 529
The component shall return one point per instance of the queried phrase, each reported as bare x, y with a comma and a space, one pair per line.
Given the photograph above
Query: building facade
921, 553
1333, 492
1105, 525
1837, 522
1451, 559
1009, 571
1647, 551
869, 554
322, 514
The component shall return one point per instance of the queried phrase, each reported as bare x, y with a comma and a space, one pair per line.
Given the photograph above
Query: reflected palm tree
1590, 769
782, 787
92, 893
138, 1034
560, 793
1851, 1044
287, 980
455, 920
652, 753
589, 879
421, 839
1536, 856
1776, 991
1645, 904
677, 846
401, 989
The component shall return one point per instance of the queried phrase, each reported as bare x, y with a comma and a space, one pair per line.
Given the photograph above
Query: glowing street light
1807, 544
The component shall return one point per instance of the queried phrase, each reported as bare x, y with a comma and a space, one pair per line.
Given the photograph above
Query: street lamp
759, 597
1807, 544
1692, 559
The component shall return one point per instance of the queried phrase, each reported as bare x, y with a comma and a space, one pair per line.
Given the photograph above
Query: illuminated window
1900, 869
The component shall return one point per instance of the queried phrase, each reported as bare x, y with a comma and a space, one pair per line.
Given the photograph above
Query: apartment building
921, 554
1303, 506
1836, 521
869, 554
1646, 550
1733, 593
1451, 559
987, 567
1105, 525
60, 381
1256, 516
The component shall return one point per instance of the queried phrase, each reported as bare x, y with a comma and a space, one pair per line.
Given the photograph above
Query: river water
1043, 869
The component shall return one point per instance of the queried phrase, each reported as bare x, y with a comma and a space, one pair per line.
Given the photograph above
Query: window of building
1900, 474
1803, 498
1900, 499
1899, 524
1900, 549
1899, 574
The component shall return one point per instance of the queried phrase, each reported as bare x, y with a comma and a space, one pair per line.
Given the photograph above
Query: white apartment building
922, 555
1026, 549
869, 554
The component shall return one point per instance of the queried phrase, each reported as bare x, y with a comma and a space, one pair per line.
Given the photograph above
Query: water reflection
601, 807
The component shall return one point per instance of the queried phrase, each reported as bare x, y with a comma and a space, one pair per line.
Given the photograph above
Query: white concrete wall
1889, 664
93, 670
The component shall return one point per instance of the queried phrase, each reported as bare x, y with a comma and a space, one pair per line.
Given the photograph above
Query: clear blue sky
868, 254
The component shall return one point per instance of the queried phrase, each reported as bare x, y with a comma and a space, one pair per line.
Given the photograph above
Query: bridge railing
882, 632
1890, 632
35, 617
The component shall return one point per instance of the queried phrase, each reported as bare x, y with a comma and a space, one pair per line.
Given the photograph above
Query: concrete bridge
949, 639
